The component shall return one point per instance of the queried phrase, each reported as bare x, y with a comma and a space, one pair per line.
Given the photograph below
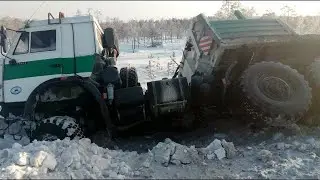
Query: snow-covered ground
205, 153
278, 156
152, 63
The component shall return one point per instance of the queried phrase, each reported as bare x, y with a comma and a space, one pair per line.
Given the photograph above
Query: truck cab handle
55, 65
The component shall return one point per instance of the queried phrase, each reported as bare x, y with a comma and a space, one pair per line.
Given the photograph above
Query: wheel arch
85, 84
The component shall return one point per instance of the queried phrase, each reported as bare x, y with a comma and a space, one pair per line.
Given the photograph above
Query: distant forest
174, 28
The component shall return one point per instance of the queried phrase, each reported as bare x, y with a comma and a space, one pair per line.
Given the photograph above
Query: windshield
23, 44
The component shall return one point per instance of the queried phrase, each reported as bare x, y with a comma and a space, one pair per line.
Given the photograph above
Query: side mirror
110, 39
3, 39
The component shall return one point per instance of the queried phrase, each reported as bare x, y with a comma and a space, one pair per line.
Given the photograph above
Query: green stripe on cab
44, 67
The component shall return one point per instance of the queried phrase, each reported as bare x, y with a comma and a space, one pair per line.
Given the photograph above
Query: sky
126, 10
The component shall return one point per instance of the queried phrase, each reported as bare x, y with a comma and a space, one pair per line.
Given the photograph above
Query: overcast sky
126, 10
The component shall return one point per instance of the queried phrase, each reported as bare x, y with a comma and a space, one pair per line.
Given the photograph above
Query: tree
288, 12
269, 14
227, 9
89, 11
98, 14
78, 13
152, 31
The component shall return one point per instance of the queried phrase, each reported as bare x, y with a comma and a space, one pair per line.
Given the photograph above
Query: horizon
143, 10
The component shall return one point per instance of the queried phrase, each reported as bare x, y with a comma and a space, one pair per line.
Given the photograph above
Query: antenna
35, 12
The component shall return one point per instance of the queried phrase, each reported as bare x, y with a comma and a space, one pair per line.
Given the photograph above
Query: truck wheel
57, 127
274, 93
313, 76
129, 77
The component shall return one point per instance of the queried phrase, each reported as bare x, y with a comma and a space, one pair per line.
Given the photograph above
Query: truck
60, 74
258, 68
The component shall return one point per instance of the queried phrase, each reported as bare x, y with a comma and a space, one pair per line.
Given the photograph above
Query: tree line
168, 29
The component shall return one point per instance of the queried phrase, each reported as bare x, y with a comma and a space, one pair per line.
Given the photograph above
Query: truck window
23, 44
43, 41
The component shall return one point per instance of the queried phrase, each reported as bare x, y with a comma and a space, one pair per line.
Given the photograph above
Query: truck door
35, 58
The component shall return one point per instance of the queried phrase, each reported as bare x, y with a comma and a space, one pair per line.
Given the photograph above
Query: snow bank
13, 129
83, 159
62, 159
65, 159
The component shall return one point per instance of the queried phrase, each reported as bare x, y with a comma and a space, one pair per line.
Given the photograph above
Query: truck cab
48, 49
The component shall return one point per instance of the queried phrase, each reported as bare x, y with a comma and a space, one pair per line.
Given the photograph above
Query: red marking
63, 78
205, 44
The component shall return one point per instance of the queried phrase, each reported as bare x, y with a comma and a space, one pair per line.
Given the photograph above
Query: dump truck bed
268, 37
271, 40
251, 31
231, 29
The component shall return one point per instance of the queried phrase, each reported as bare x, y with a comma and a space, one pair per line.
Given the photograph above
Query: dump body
216, 44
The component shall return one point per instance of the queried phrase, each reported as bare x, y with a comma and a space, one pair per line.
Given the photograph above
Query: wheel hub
275, 88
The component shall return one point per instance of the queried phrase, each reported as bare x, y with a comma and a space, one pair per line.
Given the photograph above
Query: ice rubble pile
84, 159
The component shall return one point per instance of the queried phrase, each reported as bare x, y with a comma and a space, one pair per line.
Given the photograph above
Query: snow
83, 159
152, 63
167, 159
288, 154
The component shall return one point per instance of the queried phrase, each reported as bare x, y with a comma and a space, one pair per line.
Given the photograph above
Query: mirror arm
18, 31
14, 61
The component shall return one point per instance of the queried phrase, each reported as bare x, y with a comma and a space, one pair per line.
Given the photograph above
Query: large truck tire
274, 93
313, 76
57, 127
129, 77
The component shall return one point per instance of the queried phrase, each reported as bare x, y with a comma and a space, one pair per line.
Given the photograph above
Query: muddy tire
129, 77
274, 93
313, 76
57, 127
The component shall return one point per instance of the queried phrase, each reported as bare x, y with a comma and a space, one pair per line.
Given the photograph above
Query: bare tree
78, 13
227, 9
288, 12
269, 14
89, 11
98, 15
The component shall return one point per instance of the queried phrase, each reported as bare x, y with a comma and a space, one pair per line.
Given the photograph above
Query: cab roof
65, 20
